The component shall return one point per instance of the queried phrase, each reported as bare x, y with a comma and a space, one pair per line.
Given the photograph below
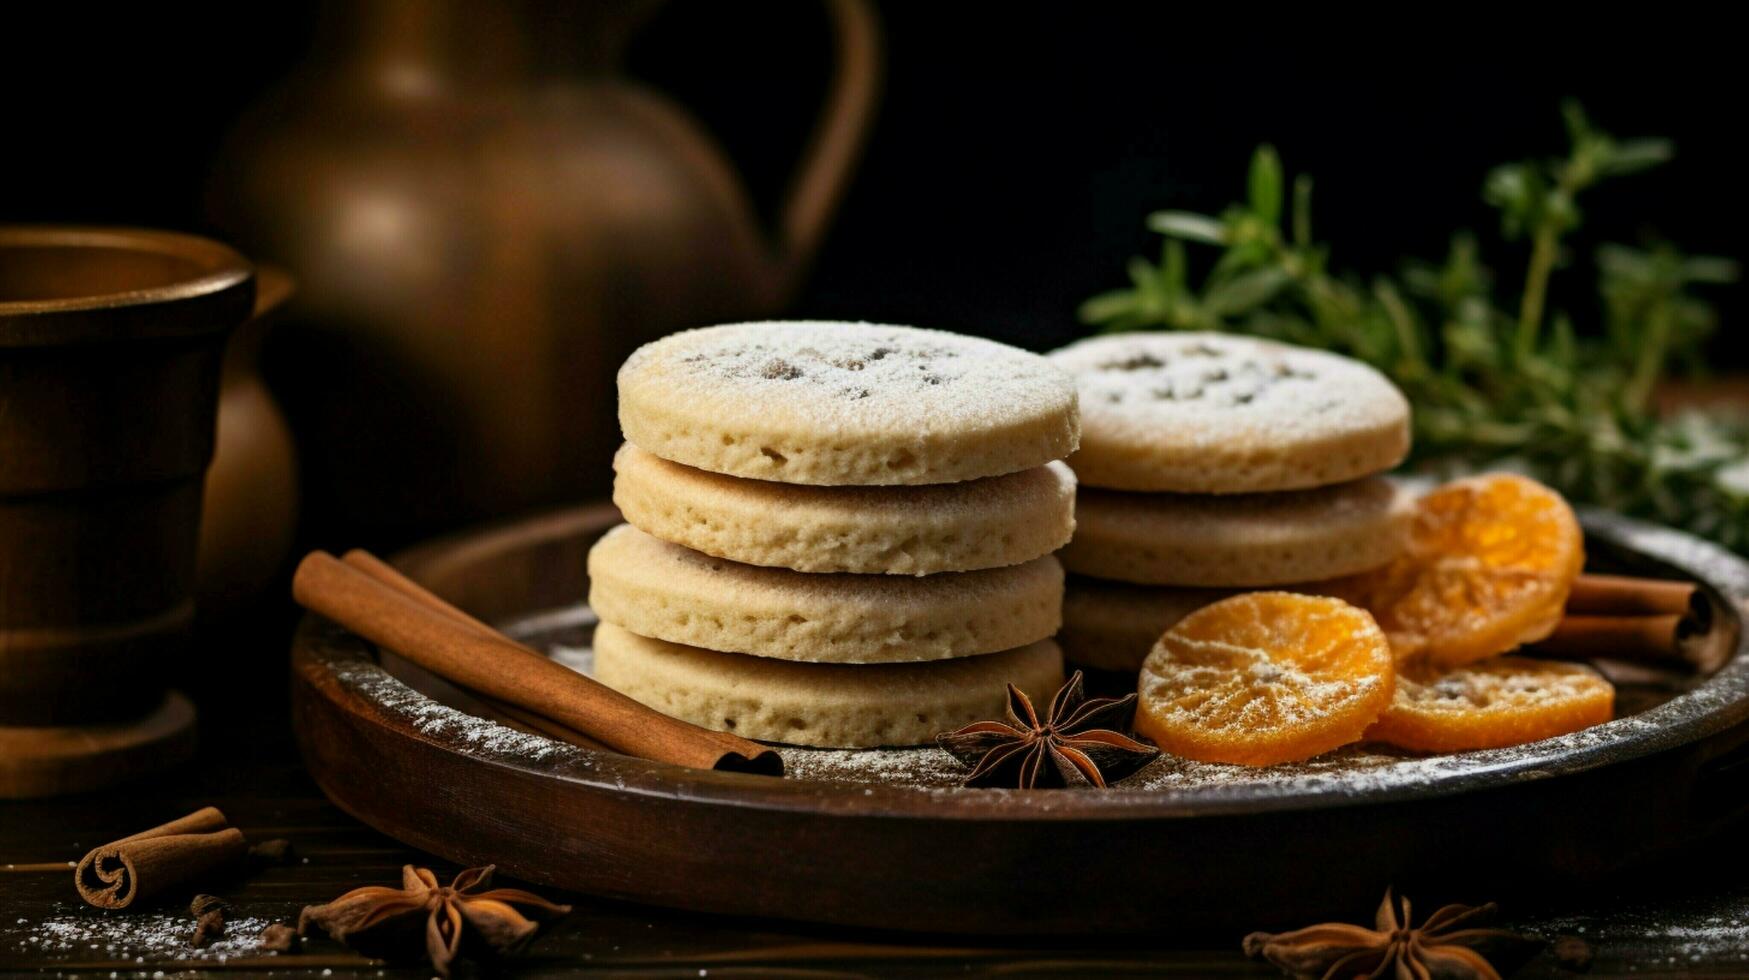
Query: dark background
1019, 145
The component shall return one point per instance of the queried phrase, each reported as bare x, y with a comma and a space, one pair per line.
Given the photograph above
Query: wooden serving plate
1189, 847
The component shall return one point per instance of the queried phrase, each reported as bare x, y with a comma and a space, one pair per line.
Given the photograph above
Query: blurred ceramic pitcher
477, 251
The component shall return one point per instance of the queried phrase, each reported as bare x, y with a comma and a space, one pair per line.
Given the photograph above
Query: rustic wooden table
1682, 921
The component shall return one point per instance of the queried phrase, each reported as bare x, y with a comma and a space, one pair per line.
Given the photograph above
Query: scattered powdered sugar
435, 719
1343, 768
1705, 929
932, 768
1351, 772
140, 938
1711, 937
929, 767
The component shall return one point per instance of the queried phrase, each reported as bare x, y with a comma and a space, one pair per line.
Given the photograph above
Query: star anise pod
386, 922
1080, 743
1448, 946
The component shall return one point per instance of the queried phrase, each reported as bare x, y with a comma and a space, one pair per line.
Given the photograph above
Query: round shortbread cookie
1113, 625
655, 588
1214, 413
825, 705
836, 404
947, 527
1238, 541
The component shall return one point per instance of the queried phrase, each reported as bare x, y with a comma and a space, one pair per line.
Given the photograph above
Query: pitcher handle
838, 136
273, 287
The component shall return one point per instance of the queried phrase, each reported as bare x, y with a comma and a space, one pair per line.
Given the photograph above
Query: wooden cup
110, 345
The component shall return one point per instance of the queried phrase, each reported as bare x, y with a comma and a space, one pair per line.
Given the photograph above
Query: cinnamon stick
1620, 595
118, 874
485, 661
1618, 617
391, 576
1618, 638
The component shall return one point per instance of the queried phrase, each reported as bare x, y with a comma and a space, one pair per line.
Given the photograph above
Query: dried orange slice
1489, 563
1265, 677
1493, 704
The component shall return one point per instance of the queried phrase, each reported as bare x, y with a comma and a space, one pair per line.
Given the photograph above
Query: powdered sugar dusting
438, 720
1199, 384
846, 404
140, 938
922, 767
1663, 934
1352, 772
932, 768
1503, 684
1248, 672
860, 374
1216, 413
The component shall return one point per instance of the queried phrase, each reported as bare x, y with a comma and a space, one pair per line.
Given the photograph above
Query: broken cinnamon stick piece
209, 919
118, 874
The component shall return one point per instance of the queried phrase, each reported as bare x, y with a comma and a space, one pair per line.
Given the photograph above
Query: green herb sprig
1496, 383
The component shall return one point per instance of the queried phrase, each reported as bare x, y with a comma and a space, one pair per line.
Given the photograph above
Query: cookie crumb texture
835, 404
823, 705
662, 590
1216, 413
952, 527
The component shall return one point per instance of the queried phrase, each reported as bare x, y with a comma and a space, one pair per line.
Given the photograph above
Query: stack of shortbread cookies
1222, 464
839, 534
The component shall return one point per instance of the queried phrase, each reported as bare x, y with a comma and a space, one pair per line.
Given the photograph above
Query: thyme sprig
1496, 381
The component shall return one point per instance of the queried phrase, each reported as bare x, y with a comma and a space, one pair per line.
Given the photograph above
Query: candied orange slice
1488, 566
1493, 704
1265, 677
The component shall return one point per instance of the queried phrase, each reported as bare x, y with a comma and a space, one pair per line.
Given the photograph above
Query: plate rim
1716, 705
